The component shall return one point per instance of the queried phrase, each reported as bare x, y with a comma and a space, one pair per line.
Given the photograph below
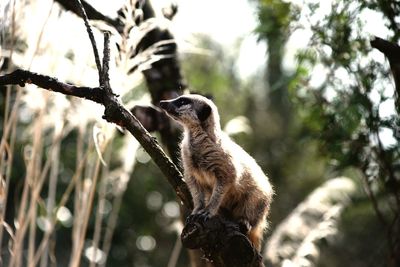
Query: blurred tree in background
344, 97
331, 113
291, 161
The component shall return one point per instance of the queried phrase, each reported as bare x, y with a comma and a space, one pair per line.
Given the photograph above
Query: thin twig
91, 37
91, 13
104, 77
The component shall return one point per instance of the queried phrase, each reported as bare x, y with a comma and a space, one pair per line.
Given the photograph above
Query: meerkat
222, 178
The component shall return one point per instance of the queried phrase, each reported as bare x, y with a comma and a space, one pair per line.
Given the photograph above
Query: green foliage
212, 72
291, 161
276, 17
344, 111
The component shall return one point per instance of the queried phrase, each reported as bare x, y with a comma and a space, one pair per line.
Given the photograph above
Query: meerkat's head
191, 110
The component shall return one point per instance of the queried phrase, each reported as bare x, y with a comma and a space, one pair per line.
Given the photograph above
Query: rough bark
222, 243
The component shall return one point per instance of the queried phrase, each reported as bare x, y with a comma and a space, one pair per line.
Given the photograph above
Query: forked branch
114, 111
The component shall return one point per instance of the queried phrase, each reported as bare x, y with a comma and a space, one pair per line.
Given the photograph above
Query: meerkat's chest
195, 161
201, 155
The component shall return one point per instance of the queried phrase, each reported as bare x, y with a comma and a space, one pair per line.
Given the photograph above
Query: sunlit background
297, 85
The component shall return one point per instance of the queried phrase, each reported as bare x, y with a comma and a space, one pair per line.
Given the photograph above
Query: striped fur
221, 176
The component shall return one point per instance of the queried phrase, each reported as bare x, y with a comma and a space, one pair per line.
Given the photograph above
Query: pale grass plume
48, 197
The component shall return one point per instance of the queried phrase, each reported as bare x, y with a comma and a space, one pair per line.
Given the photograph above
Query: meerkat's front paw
203, 215
189, 218
200, 216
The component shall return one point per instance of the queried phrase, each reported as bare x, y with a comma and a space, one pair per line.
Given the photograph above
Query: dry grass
42, 204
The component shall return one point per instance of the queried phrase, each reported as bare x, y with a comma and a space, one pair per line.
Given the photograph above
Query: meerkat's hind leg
198, 195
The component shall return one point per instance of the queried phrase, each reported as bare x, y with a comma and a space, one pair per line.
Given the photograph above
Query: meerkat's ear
204, 112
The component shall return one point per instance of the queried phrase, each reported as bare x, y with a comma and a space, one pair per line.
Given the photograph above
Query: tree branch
164, 79
22, 77
392, 52
389, 49
91, 13
91, 37
104, 77
114, 112
222, 241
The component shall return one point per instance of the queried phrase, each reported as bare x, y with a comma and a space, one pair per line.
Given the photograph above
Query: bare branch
91, 13
389, 49
91, 37
104, 77
114, 112
22, 77
392, 52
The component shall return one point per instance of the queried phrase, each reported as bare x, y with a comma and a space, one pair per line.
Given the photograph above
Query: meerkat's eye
183, 101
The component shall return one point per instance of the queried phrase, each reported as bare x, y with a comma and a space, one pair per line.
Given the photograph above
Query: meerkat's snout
177, 107
168, 107
164, 104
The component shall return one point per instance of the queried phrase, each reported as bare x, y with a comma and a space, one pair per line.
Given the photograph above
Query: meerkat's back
248, 163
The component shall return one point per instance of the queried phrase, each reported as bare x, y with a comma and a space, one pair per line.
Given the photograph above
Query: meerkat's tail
256, 234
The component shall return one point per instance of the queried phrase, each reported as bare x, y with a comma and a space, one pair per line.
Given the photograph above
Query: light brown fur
222, 177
